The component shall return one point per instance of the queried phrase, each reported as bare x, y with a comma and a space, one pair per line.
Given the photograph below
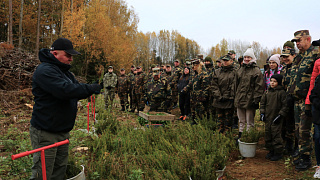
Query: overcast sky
269, 22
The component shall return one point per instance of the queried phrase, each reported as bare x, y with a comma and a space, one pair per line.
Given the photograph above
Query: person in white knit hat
249, 89
274, 68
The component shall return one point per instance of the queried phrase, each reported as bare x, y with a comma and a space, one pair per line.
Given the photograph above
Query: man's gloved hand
308, 113
277, 119
262, 118
96, 88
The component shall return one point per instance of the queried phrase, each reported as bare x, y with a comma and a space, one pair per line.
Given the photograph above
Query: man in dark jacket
56, 93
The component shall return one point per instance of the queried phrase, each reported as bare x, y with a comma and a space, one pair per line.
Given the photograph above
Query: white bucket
80, 176
247, 149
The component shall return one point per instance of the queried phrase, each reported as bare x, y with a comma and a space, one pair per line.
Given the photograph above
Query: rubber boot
276, 157
305, 163
270, 155
297, 161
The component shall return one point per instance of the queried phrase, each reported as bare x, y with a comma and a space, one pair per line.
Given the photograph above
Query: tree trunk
62, 12
71, 9
20, 25
38, 30
10, 23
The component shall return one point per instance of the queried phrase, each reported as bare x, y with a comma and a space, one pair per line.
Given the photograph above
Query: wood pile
16, 69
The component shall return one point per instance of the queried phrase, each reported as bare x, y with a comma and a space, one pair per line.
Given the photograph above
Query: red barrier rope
88, 116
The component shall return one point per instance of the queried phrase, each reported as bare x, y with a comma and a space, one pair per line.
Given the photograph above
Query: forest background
106, 33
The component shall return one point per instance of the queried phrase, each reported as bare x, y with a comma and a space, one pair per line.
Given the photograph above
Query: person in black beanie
273, 109
56, 94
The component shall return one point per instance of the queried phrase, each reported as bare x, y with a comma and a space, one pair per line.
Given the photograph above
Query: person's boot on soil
295, 153
297, 161
305, 163
122, 108
276, 157
270, 155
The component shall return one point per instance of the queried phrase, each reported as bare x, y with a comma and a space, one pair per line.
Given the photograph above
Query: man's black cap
64, 44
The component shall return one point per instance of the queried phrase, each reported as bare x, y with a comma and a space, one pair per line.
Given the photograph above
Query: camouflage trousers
109, 97
131, 99
303, 125
225, 119
273, 138
123, 99
174, 96
138, 102
197, 110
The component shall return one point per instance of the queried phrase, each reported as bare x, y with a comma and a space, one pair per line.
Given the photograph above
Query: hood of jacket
46, 56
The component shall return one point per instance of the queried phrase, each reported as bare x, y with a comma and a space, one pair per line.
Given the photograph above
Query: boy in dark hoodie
273, 108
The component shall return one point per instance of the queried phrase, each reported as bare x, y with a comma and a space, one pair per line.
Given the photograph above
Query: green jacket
110, 80
249, 86
273, 103
301, 71
223, 88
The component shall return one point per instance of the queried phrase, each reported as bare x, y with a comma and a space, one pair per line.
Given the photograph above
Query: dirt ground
237, 168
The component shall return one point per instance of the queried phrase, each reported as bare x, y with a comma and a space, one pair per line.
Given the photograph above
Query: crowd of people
287, 95
231, 91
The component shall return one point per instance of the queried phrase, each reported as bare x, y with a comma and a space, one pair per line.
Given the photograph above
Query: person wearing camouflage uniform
169, 76
131, 81
109, 83
150, 72
218, 63
177, 73
223, 92
209, 64
198, 88
298, 87
235, 63
157, 93
123, 89
139, 81
288, 127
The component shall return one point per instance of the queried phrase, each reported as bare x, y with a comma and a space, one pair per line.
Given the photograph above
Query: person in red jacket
312, 93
